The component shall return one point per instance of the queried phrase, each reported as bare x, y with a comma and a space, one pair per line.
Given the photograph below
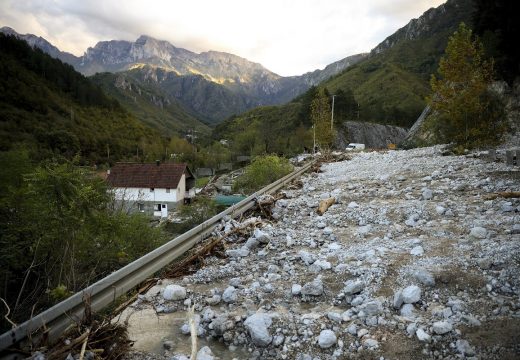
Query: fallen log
325, 204
504, 194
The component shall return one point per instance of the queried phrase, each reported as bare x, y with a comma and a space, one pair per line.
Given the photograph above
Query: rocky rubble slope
417, 259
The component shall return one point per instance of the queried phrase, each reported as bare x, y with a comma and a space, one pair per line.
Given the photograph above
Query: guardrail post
509, 158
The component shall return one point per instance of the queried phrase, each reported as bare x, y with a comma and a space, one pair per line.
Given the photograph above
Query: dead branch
504, 194
203, 250
84, 346
65, 348
193, 332
325, 204
6, 316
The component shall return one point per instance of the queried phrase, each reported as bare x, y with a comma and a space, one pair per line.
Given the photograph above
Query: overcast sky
289, 37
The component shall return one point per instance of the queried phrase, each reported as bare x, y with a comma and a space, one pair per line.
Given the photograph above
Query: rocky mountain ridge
247, 84
432, 21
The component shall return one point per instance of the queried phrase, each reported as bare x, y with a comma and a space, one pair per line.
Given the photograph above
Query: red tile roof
137, 175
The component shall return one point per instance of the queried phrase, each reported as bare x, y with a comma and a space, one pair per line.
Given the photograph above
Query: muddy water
150, 331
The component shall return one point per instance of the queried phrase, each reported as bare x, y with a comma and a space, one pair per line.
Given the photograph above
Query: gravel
417, 245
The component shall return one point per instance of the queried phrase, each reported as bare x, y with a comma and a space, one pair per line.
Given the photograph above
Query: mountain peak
8, 30
147, 38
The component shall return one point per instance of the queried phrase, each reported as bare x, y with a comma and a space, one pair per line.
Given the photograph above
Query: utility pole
332, 117
314, 139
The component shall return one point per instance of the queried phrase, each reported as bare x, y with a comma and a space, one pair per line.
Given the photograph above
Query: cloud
289, 37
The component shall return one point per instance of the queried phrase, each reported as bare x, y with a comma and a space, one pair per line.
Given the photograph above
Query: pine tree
321, 119
464, 111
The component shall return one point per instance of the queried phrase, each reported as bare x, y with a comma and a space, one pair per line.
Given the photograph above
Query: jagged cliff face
237, 74
232, 83
432, 21
375, 136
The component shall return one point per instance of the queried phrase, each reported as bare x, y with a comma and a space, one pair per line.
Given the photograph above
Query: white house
151, 188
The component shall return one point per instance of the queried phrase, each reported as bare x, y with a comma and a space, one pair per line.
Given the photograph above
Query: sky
288, 37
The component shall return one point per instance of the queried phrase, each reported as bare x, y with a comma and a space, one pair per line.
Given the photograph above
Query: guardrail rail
55, 320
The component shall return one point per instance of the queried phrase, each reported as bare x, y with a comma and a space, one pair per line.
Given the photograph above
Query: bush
58, 233
200, 210
262, 171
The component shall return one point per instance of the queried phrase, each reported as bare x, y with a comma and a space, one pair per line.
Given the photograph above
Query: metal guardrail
55, 320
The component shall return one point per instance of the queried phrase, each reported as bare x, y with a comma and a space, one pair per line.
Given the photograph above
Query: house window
140, 207
168, 190
151, 189
164, 206
157, 207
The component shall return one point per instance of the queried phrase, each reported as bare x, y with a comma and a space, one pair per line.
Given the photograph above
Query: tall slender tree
321, 119
464, 110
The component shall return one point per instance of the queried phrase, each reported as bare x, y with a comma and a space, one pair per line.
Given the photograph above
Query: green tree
345, 106
59, 233
463, 109
262, 171
321, 119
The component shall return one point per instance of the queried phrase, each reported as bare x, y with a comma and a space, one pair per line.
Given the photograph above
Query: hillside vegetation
389, 87
147, 102
392, 84
48, 107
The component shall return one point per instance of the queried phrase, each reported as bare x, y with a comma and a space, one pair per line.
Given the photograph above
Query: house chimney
157, 162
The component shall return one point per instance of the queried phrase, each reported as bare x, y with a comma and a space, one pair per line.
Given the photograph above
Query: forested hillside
149, 103
388, 87
392, 84
49, 108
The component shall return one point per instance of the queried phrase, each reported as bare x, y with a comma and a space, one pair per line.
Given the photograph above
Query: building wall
144, 194
181, 188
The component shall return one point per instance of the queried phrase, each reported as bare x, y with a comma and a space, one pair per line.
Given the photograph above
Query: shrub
200, 210
262, 171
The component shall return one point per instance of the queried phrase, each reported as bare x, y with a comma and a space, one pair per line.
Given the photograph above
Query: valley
387, 226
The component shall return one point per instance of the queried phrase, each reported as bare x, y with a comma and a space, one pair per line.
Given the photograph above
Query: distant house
151, 188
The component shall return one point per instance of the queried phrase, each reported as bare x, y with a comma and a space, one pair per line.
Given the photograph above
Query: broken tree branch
6, 316
505, 195
325, 204
84, 345
193, 332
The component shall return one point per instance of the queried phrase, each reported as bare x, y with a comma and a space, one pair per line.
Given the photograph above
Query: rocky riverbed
418, 258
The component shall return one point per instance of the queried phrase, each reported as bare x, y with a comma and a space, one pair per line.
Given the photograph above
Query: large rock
307, 258
427, 194
424, 277
258, 327
314, 287
423, 336
411, 294
478, 232
230, 295
417, 251
261, 236
353, 287
442, 327
296, 289
241, 252
398, 299
373, 307
205, 353
465, 348
174, 292
327, 339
